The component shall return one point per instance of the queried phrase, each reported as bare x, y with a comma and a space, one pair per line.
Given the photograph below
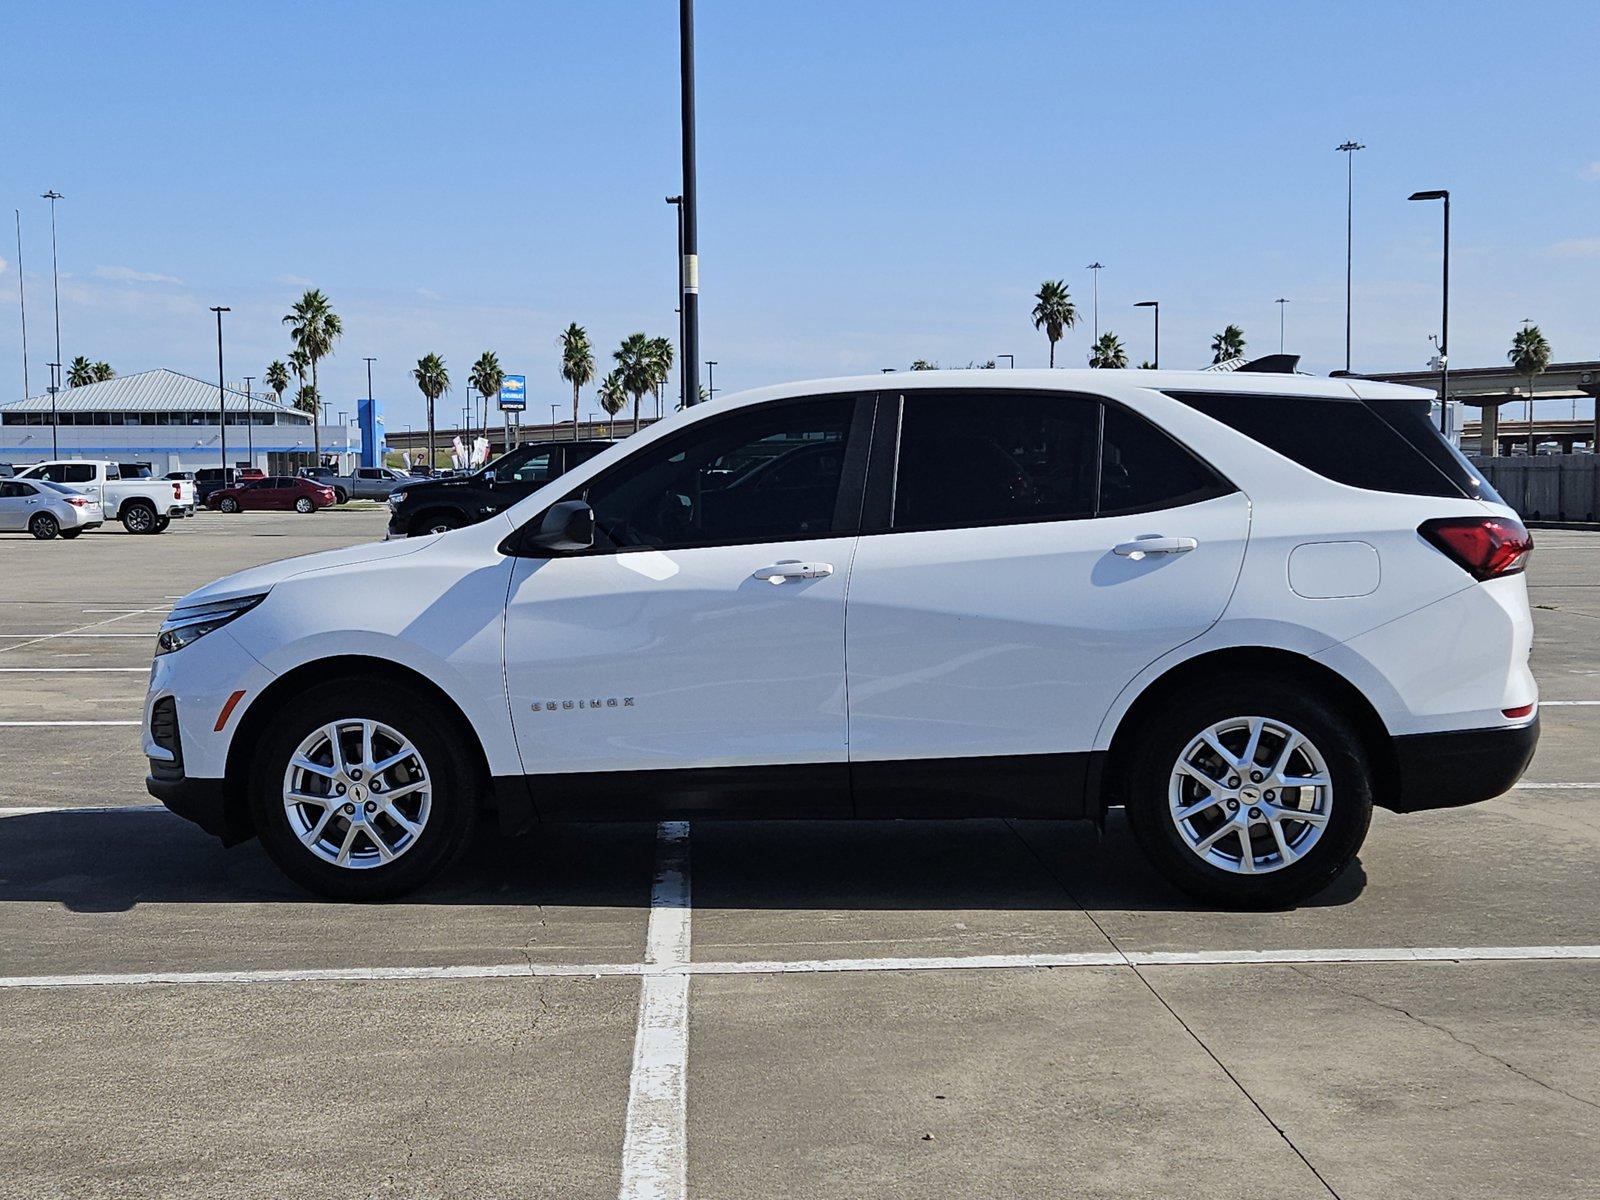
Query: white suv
1246, 607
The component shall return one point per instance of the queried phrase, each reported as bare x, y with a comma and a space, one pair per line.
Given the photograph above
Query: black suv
435, 505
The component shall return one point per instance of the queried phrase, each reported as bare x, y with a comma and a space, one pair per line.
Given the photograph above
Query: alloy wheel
357, 793
45, 527
1250, 795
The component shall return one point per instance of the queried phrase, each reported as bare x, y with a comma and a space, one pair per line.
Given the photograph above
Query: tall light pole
1011, 360
249, 421
1280, 302
1155, 304
55, 386
55, 279
1096, 267
1444, 323
689, 260
711, 379
22, 300
222, 393
677, 205
1349, 149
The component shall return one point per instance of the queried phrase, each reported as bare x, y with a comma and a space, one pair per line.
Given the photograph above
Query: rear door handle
793, 568
1154, 544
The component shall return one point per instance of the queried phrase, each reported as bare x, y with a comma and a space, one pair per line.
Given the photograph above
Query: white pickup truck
142, 505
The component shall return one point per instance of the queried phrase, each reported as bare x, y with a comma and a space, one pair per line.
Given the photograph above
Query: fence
1548, 487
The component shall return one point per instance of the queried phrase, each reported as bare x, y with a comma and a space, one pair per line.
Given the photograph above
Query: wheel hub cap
357, 793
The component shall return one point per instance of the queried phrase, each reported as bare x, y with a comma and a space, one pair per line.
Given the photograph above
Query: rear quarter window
1349, 441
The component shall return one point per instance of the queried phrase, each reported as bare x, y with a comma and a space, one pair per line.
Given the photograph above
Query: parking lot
919, 1009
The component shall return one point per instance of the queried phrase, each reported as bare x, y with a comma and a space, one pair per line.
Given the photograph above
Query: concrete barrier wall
1548, 487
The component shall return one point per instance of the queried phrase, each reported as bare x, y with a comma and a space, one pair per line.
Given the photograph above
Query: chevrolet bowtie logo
565, 705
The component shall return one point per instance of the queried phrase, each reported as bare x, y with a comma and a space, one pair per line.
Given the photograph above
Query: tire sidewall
44, 527
303, 505
228, 504
139, 518
1168, 732
453, 812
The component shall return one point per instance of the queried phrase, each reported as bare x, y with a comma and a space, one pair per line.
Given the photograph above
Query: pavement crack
1447, 1032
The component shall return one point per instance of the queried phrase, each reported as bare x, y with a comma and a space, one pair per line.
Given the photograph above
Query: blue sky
879, 181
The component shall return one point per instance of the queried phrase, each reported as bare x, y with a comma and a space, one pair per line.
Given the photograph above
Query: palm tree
923, 364
314, 327
433, 381
1055, 313
307, 401
660, 366
1227, 344
1529, 354
277, 378
613, 395
79, 372
633, 363
1146, 365
577, 365
487, 377
1109, 352
103, 372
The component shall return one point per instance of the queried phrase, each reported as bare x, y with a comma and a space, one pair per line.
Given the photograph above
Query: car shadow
113, 861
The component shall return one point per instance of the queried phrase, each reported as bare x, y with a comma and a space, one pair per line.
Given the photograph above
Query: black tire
162, 523
456, 783
1165, 734
138, 517
304, 505
69, 534
228, 504
441, 521
340, 496
44, 526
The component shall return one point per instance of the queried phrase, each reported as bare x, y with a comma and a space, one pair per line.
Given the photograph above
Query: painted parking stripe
73, 633
682, 971
655, 1137
31, 810
58, 724
1568, 703
71, 670
1528, 785
45, 637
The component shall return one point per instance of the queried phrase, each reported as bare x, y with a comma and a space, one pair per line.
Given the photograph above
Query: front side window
992, 458
767, 473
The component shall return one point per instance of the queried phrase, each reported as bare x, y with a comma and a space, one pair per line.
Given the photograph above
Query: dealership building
169, 420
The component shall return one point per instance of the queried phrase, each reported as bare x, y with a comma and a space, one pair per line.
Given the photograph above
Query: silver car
47, 509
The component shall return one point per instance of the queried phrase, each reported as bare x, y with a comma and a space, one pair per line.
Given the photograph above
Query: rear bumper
1447, 770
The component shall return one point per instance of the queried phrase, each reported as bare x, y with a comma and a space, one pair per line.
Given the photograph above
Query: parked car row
272, 492
143, 505
47, 510
435, 505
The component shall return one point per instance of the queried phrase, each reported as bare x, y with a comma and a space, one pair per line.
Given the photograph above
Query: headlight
187, 625
396, 499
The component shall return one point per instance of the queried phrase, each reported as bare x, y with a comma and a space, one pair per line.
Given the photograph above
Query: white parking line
1528, 785
680, 973
655, 1138
45, 637
58, 725
26, 810
72, 633
72, 670
1568, 703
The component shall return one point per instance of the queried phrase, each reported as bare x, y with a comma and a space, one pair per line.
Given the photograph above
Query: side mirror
566, 526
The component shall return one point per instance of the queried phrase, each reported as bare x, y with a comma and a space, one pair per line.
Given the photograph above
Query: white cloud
2, 266
1591, 172
129, 275
429, 294
292, 280
1584, 247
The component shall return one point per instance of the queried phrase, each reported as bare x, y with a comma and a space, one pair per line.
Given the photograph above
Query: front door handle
793, 568
1152, 543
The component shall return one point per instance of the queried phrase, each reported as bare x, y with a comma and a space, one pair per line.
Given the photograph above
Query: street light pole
249, 421
222, 394
55, 278
689, 260
1096, 267
22, 301
1444, 326
1155, 304
1280, 302
711, 379
55, 386
677, 204
1349, 148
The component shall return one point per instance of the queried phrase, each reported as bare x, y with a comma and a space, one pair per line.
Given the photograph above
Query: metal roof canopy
159, 390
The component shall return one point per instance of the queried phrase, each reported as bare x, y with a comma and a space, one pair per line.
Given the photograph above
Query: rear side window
1413, 420
992, 458
1345, 440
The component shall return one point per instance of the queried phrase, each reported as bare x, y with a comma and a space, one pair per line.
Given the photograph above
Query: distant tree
277, 378
80, 371
577, 365
613, 395
1529, 354
1227, 344
1054, 312
1146, 365
307, 401
103, 372
923, 364
634, 371
660, 359
433, 381
1109, 352
487, 377
314, 327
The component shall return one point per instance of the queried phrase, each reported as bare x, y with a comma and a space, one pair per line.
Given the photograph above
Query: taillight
1484, 547
177, 491
77, 502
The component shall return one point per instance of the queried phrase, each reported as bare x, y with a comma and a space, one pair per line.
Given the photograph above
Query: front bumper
1466, 766
207, 802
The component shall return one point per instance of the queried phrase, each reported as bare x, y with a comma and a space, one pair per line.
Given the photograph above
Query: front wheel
44, 527
1252, 794
361, 796
304, 505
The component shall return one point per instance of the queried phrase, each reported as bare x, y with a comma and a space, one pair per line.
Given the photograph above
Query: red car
274, 491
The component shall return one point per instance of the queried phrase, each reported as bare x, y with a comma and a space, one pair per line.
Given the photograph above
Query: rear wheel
340, 495
1251, 793
44, 526
162, 523
304, 505
228, 504
361, 796
69, 534
435, 522
139, 518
